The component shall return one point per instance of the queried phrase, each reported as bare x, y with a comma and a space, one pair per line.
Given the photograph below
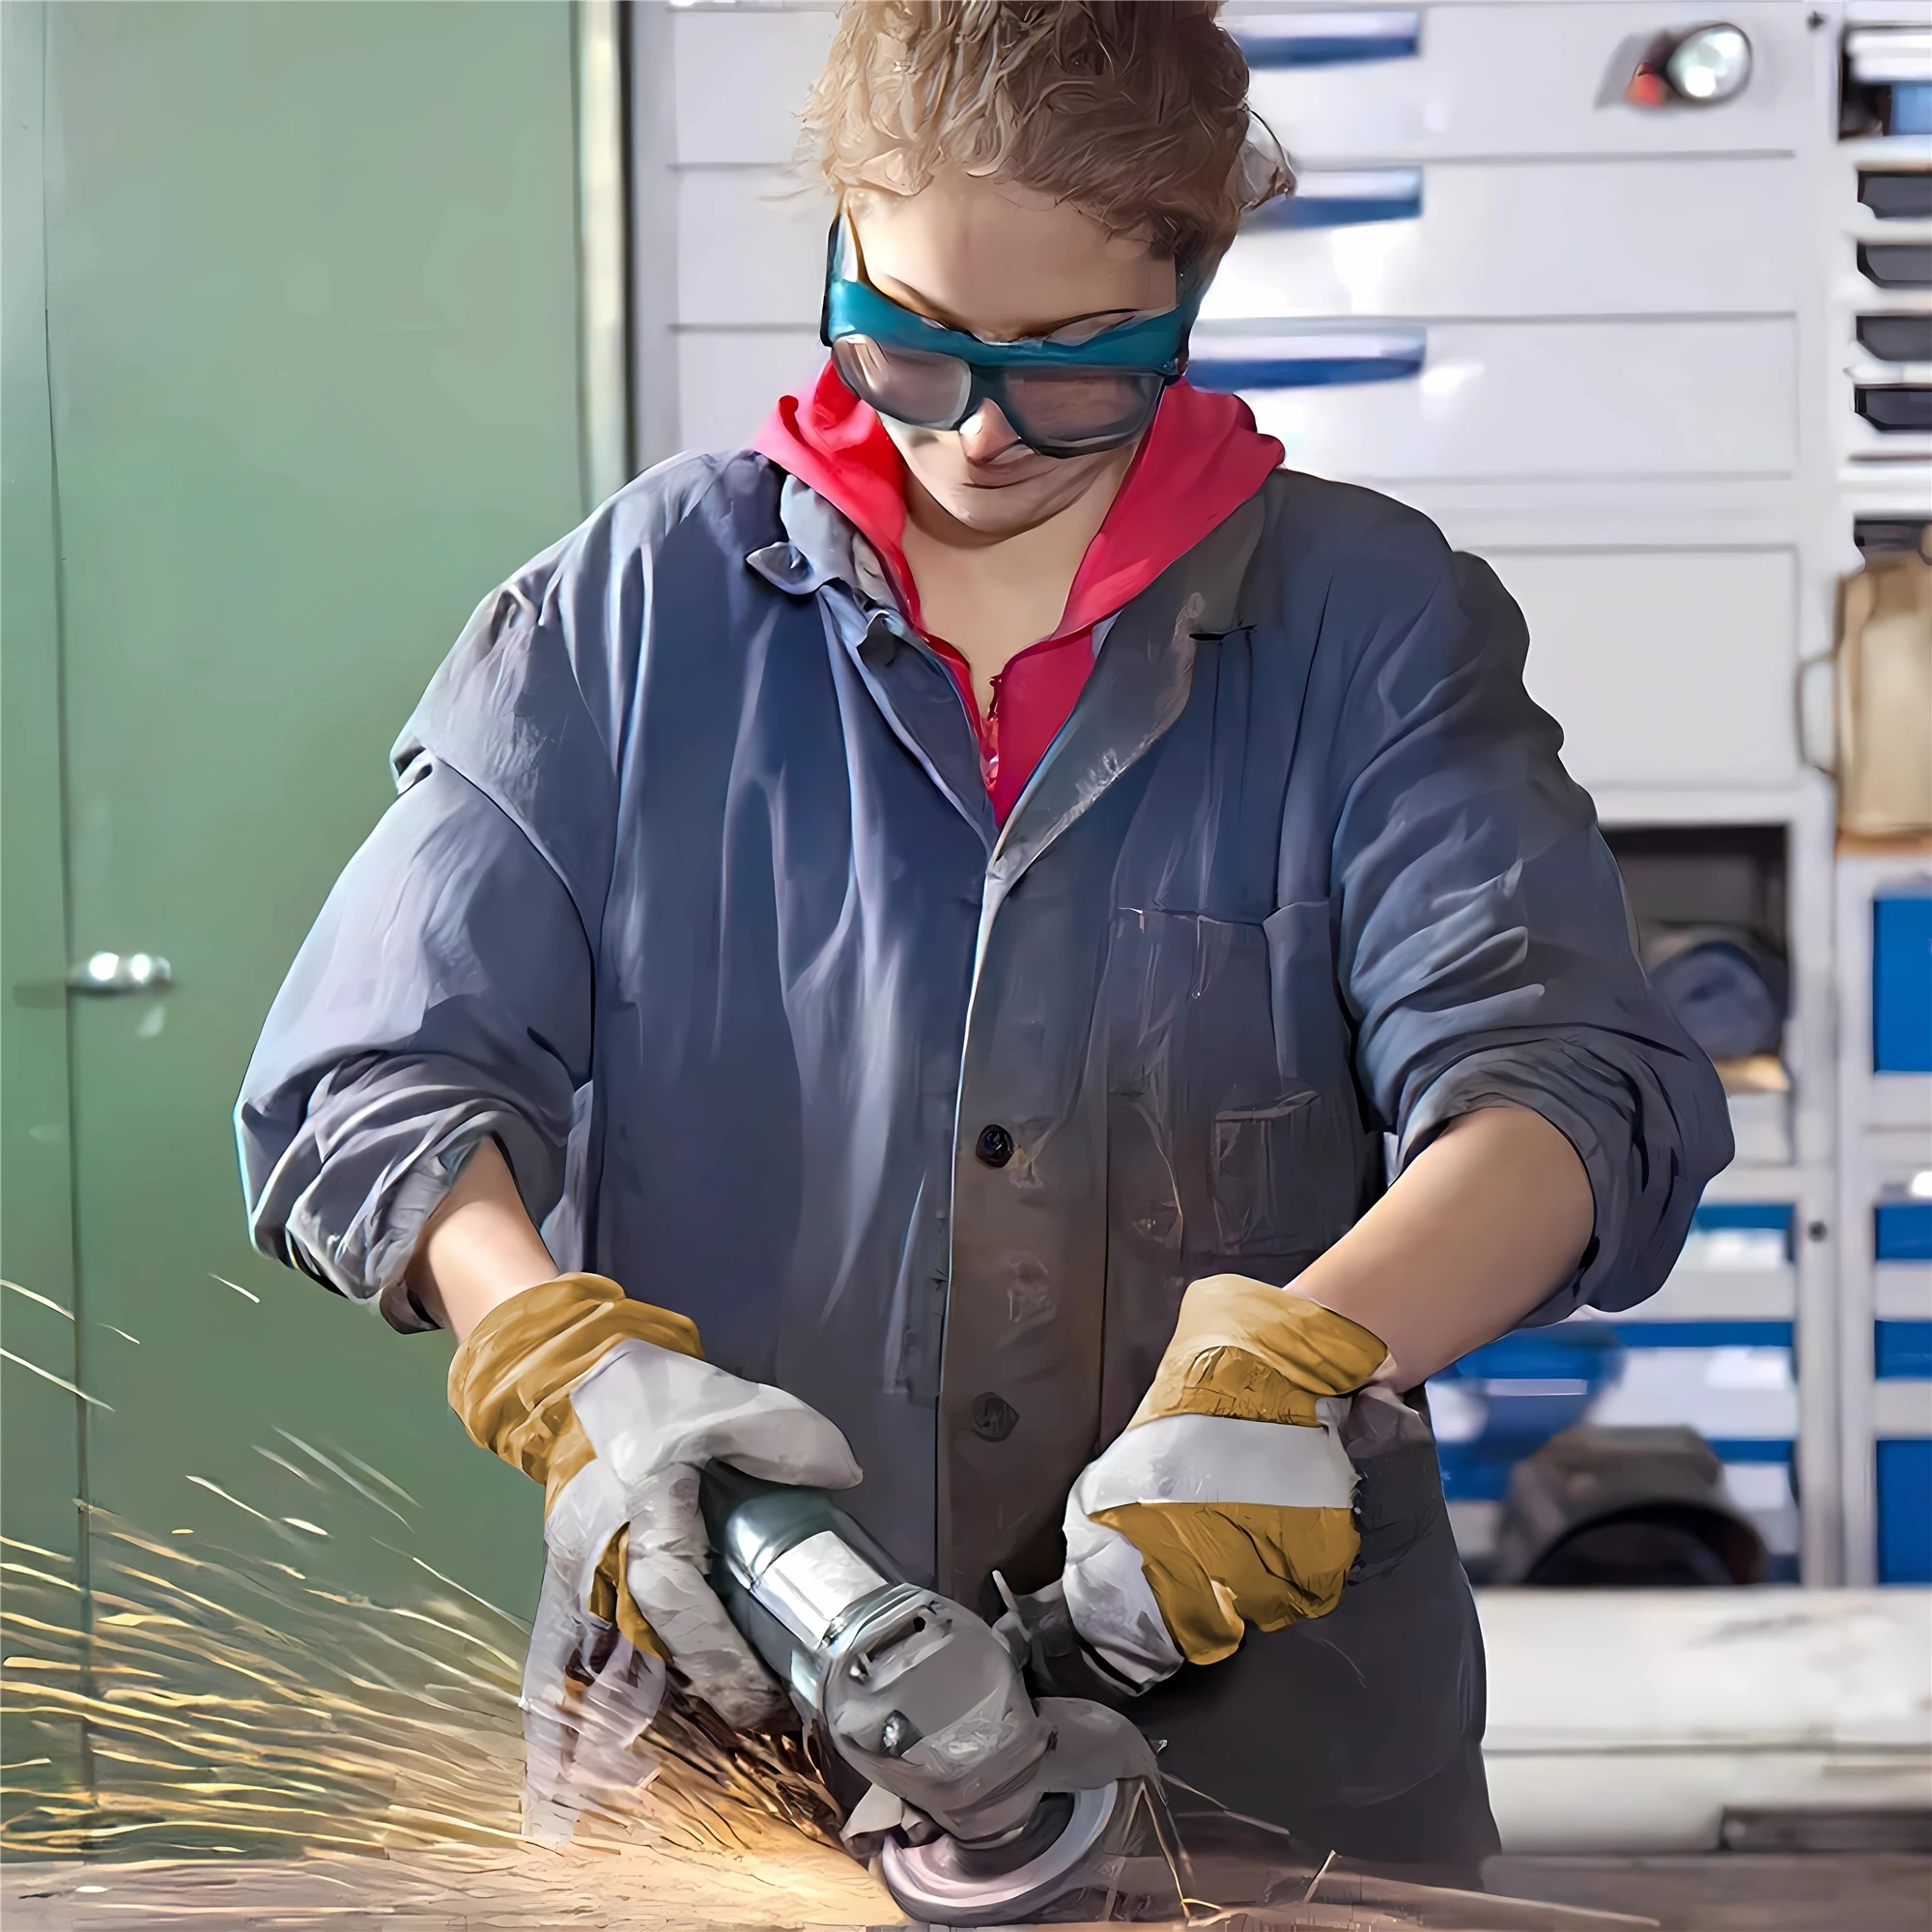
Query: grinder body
986, 1805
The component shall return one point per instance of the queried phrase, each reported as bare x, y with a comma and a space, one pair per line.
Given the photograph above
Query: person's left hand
1227, 1500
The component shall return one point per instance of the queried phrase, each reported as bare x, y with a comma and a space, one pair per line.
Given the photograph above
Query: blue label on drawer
1332, 39
1902, 983
1751, 1448
1902, 1231
1902, 1350
1774, 1216
1911, 108
1704, 1334
1905, 1512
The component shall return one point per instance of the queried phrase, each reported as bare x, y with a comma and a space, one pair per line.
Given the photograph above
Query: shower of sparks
246, 1712
49, 1376
33, 1294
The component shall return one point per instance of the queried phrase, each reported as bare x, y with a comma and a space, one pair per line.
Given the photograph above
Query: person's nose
986, 433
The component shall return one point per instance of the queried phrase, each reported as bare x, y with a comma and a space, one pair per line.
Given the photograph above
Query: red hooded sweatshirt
1200, 460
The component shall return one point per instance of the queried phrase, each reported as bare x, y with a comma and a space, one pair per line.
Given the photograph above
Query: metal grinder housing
987, 1806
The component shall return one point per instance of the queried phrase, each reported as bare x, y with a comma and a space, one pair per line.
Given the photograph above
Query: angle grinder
983, 1805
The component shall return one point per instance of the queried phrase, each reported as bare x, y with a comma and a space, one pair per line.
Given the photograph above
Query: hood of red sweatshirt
1200, 459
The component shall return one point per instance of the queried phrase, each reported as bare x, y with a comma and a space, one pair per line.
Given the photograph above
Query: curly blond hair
1136, 111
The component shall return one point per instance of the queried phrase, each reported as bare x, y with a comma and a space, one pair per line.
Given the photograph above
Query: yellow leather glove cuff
1257, 1353
1248, 1351
510, 1385
510, 1381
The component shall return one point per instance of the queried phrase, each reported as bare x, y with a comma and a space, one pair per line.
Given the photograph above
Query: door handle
111, 975
1306, 360
1345, 198
1329, 40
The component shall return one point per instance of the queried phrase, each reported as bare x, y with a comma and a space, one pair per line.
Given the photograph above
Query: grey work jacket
693, 898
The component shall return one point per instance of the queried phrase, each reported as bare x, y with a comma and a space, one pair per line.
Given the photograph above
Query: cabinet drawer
750, 249
1517, 401
739, 80
727, 381
1554, 238
1666, 668
1519, 79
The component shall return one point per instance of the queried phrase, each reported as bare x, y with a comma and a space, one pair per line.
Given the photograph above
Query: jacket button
993, 1417
995, 1145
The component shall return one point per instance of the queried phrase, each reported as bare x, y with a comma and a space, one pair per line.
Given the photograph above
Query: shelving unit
1622, 352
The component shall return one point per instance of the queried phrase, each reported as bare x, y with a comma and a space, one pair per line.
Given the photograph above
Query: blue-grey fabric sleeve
443, 997
444, 994
1482, 940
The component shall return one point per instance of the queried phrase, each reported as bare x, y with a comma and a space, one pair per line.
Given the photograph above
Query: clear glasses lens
928, 391
1089, 409
1059, 411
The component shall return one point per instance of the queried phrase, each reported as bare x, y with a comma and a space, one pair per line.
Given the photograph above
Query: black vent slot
1897, 265
1896, 338
1897, 410
1897, 194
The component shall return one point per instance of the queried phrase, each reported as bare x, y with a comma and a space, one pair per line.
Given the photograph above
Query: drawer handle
1330, 39
1896, 338
1343, 199
1318, 359
1895, 408
1897, 194
1897, 265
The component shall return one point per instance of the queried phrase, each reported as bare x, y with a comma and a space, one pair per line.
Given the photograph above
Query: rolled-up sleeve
444, 998
1484, 946
445, 994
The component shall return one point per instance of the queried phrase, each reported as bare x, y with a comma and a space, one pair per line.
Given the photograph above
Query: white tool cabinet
1626, 353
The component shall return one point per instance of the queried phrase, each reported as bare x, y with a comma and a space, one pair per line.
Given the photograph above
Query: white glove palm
654, 1418
608, 1403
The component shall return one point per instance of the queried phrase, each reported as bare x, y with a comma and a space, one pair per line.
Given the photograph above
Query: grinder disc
948, 1883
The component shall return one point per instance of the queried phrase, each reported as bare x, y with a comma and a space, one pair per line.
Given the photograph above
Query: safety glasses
1061, 398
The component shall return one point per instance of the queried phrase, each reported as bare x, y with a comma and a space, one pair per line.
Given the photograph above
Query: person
1002, 951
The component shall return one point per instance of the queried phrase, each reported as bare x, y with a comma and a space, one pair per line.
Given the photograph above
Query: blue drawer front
1905, 1512
1902, 983
1902, 1350
1902, 1231
1476, 1472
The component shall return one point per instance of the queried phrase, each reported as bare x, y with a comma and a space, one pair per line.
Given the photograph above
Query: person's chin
992, 502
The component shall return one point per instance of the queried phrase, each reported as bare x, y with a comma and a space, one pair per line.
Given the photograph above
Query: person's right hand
609, 1405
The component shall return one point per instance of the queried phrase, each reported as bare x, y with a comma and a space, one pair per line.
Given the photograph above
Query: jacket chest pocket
1227, 1151
1281, 1180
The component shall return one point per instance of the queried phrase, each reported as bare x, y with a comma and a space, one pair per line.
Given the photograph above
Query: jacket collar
1140, 683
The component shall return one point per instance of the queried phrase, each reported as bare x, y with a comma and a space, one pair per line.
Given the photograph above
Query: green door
308, 389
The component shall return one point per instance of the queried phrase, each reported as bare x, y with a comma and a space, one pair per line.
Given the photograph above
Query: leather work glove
1227, 1500
610, 1403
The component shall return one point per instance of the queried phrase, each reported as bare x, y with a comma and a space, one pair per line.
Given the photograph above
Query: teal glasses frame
1055, 394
